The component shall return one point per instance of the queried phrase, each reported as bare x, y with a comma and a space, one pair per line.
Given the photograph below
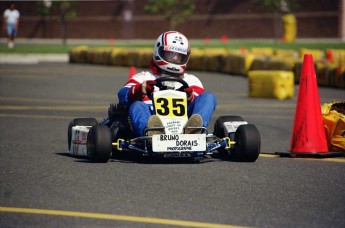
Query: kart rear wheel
79, 122
99, 144
247, 144
220, 133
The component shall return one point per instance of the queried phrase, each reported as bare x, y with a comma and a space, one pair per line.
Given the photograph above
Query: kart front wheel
99, 144
247, 144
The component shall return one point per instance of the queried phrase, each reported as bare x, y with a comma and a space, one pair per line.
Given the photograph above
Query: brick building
237, 19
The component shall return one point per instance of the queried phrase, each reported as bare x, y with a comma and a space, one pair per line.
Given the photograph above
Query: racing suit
204, 103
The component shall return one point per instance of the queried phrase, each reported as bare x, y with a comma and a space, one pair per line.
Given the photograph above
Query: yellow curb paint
269, 155
340, 159
124, 218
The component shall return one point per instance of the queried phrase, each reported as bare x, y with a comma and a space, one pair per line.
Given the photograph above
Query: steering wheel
160, 81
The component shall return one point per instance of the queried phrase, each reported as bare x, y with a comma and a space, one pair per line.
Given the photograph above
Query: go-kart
232, 136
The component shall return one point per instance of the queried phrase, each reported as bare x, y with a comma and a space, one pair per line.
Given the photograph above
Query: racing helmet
171, 53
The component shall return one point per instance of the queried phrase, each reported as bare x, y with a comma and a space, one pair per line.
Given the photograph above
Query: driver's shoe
194, 121
155, 122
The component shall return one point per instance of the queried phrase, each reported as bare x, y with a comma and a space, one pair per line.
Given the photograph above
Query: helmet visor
172, 56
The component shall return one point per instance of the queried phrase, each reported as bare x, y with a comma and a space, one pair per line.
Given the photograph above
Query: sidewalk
32, 58
18, 58
55, 41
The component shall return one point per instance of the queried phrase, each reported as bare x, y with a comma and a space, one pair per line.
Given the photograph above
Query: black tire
80, 122
99, 144
248, 143
219, 130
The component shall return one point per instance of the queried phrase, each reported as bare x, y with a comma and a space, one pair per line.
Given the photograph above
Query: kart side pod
231, 127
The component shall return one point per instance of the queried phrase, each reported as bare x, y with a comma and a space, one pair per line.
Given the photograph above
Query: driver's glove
190, 94
138, 91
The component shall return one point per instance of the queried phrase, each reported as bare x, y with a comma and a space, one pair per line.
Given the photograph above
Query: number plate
180, 142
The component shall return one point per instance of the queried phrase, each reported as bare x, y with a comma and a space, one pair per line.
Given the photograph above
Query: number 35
171, 106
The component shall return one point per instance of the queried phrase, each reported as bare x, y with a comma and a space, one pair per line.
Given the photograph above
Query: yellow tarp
334, 120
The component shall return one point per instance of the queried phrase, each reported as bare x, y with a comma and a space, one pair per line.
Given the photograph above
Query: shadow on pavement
133, 157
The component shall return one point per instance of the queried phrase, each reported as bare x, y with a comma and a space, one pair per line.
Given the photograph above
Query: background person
11, 23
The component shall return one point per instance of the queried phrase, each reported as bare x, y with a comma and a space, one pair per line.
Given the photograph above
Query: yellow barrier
279, 63
261, 51
214, 58
272, 84
335, 56
325, 73
285, 53
341, 76
118, 56
144, 56
78, 54
237, 63
196, 61
329, 64
317, 54
259, 63
99, 56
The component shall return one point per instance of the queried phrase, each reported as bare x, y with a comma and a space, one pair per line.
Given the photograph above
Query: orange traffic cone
224, 39
243, 50
329, 56
207, 40
111, 42
132, 71
308, 136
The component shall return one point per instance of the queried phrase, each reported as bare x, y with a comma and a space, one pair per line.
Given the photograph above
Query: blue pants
204, 105
11, 30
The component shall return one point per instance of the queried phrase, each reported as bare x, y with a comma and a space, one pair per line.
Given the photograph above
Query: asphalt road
41, 185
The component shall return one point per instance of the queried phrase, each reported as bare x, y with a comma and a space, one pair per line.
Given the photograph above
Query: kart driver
170, 58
